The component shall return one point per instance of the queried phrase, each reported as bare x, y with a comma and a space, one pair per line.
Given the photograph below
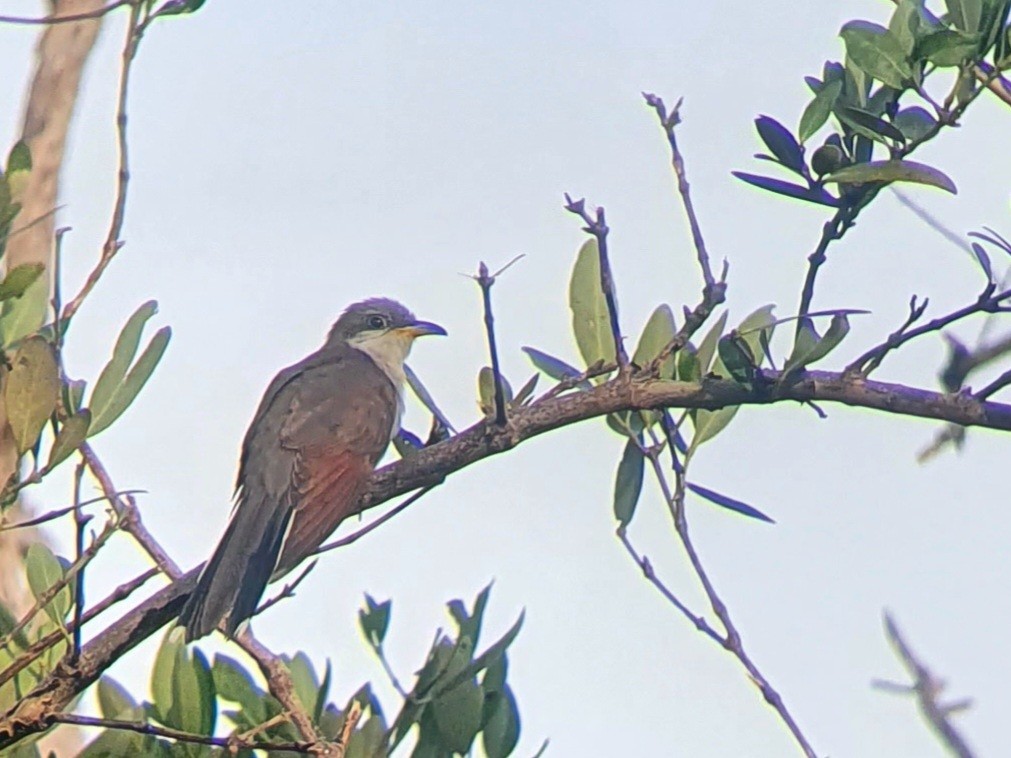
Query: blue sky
291, 158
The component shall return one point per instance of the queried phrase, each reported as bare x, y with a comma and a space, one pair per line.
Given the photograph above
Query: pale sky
290, 158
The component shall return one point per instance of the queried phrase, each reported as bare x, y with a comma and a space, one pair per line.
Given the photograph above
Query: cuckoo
307, 458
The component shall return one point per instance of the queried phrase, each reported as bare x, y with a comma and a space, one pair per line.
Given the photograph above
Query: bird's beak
421, 328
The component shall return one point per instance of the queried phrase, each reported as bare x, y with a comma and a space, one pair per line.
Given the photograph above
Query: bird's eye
376, 322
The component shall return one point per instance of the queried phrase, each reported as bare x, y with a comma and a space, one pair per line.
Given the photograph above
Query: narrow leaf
656, 335
374, 619
132, 384
728, 502
123, 354
708, 424
72, 433
707, 348
590, 319
818, 110
787, 189
781, 143
983, 259
893, 171
554, 367
876, 127
628, 483
19, 278
44, 570
422, 393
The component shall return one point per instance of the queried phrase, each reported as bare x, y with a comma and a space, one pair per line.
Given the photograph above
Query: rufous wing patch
328, 485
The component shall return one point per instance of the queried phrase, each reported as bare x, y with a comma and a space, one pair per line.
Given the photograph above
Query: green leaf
303, 675
112, 376
44, 570
915, 122
32, 391
948, 48
130, 387
656, 335
738, 359
877, 52
526, 391
965, 14
72, 433
457, 715
818, 110
374, 620
707, 348
754, 324
24, 315
115, 702
628, 483
206, 697
870, 125
486, 390
162, 678
469, 624
232, 682
590, 320
19, 158
809, 347
501, 730
708, 424
905, 24
893, 171
688, 364
19, 278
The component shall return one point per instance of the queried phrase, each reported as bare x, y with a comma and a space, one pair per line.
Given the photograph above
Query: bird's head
383, 329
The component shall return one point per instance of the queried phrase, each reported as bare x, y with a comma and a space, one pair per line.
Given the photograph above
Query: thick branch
432, 464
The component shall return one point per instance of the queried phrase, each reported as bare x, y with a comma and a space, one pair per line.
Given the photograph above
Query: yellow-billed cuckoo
306, 460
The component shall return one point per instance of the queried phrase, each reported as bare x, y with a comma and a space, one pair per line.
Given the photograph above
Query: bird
306, 460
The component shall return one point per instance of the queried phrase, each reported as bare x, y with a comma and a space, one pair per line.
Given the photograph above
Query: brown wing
338, 427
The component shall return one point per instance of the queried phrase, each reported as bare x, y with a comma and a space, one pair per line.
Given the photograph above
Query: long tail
233, 581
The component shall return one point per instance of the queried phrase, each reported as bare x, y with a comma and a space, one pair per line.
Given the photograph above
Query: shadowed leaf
781, 143
787, 189
728, 502
628, 483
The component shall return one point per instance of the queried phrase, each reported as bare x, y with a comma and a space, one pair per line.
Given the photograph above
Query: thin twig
646, 566
732, 642
51, 515
485, 282
50, 20
80, 521
126, 508
989, 301
286, 592
112, 240
596, 225
928, 689
999, 383
355, 536
283, 688
669, 122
